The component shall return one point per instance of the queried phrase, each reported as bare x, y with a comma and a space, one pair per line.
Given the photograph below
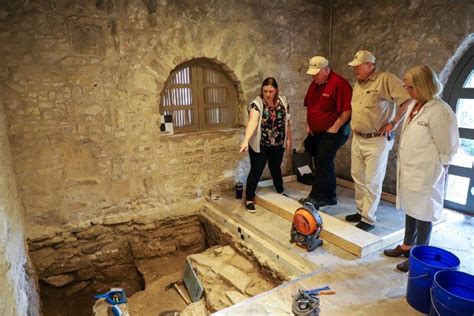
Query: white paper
304, 170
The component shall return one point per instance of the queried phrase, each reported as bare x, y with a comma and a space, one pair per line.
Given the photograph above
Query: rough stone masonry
80, 83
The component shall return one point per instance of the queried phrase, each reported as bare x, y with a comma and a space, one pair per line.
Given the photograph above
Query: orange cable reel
304, 221
306, 227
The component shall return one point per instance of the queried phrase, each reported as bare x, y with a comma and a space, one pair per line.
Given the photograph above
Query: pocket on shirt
327, 103
371, 98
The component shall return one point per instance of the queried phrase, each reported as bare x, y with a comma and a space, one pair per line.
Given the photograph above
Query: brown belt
368, 135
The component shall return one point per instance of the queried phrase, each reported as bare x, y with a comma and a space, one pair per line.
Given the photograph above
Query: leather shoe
365, 226
311, 200
354, 218
325, 202
396, 252
403, 266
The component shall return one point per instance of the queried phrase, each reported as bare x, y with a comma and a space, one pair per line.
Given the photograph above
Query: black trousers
417, 232
274, 156
323, 147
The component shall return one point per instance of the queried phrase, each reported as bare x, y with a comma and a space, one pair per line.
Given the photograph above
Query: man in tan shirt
379, 102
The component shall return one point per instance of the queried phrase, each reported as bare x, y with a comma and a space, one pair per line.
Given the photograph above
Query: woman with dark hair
429, 140
267, 135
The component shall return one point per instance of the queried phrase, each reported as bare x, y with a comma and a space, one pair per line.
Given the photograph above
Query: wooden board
343, 183
335, 231
269, 183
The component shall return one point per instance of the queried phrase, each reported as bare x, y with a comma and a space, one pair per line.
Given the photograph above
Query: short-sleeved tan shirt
373, 102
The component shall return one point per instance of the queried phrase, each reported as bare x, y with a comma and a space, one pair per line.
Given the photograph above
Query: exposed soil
226, 275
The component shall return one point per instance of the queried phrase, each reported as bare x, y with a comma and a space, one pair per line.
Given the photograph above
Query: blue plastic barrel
424, 262
452, 294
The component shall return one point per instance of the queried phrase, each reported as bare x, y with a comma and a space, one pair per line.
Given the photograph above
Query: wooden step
335, 231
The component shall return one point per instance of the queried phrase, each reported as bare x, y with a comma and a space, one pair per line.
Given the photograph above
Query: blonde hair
424, 81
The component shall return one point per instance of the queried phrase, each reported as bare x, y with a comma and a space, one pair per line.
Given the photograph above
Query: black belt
368, 135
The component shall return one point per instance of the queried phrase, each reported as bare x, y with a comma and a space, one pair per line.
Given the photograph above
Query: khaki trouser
368, 166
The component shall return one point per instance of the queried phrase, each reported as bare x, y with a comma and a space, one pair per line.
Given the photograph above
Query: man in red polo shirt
328, 108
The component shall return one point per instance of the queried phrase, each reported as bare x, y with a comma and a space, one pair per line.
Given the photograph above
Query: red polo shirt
325, 103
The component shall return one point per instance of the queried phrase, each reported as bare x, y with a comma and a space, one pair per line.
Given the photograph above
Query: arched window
459, 93
199, 95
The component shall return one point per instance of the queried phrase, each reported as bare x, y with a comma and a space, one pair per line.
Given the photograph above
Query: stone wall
19, 293
94, 258
82, 83
401, 34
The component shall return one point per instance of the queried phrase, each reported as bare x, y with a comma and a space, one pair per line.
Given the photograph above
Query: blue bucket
424, 262
452, 294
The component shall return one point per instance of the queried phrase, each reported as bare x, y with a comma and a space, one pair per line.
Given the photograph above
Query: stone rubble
228, 277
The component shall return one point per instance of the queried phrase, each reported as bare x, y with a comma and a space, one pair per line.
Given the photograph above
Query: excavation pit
145, 259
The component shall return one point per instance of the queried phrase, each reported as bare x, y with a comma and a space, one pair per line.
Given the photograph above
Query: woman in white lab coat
429, 140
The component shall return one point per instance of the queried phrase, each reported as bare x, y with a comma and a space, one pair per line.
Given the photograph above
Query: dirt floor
159, 297
227, 278
57, 302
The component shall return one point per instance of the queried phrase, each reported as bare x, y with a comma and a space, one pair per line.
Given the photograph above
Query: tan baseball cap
316, 63
362, 56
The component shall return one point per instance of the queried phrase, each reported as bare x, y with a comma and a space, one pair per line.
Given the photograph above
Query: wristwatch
394, 124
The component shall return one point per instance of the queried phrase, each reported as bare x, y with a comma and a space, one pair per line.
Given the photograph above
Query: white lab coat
427, 143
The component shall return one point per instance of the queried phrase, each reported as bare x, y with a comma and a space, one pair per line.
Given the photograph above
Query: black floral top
273, 124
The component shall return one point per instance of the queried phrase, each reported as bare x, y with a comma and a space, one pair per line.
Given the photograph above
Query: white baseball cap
316, 64
362, 56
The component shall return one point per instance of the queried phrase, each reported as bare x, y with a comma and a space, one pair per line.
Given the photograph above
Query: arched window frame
201, 96
453, 91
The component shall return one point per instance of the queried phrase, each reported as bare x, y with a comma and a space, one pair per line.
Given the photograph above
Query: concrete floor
389, 219
364, 286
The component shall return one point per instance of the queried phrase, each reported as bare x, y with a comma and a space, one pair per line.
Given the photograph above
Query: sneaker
354, 218
284, 194
250, 207
403, 266
365, 226
396, 252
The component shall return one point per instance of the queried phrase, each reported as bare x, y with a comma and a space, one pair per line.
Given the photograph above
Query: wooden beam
335, 231
343, 183
269, 182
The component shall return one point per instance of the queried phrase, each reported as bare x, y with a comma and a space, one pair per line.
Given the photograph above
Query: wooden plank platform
269, 183
335, 231
225, 212
341, 182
